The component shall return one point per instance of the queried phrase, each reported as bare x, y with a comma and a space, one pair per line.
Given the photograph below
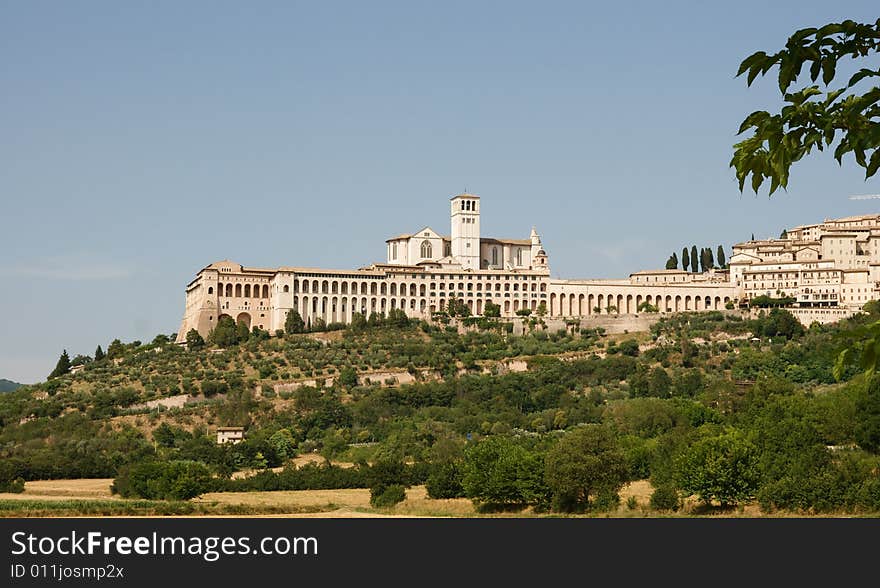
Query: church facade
425, 269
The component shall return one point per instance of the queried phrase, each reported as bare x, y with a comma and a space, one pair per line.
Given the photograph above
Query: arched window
228, 289
210, 289
519, 257
426, 249
494, 256
247, 290
266, 290
220, 289
286, 288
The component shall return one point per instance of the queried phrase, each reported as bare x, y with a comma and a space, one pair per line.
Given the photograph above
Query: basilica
829, 268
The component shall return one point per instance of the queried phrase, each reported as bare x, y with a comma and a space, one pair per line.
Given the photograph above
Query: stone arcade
831, 268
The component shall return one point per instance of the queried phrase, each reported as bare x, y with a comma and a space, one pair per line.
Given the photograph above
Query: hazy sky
140, 142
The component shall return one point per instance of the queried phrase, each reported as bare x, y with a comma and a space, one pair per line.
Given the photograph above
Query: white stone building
833, 267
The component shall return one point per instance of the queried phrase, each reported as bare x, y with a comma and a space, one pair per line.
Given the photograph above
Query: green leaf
873, 165
861, 75
828, 69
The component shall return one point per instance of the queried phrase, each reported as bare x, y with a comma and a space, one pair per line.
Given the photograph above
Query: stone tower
539, 256
465, 218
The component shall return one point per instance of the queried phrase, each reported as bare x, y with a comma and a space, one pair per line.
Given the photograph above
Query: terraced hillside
544, 421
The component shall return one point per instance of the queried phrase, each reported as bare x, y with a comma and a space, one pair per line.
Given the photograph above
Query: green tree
348, 377
813, 117
587, 462
491, 309
672, 262
710, 258
541, 311
722, 260
723, 467
783, 234
283, 443
867, 430
223, 334
294, 323
444, 481
242, 333
99, 353
358, 322
685, 259
62, 367
498, 471
659, 383
695, 261
194, 340
116, 349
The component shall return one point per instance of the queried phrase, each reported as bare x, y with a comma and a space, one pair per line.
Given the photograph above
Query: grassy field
92, 497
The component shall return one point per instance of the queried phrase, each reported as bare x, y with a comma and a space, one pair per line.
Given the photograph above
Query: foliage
194, 340
722, 467
867, 431
665, 497
587, 462
764, 301
672, 262
499, 472
294, 323
812, 118
224, 333
172, 480
10, 481
62, 367
444, 481
777, 322
387, 496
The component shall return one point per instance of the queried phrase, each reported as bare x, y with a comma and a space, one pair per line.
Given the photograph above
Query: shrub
665, 497
387, 496
171, 480
444, 481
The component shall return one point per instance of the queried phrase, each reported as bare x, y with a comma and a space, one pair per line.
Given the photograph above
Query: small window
210, 289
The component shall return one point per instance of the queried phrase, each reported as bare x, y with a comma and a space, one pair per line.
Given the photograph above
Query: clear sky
140, 142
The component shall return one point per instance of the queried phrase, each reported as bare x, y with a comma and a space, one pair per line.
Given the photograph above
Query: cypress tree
685, 259
722, 262
99, 354
710, 258
672, 262
62, 367
695, 261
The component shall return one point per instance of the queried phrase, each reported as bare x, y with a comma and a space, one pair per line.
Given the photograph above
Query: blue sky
140, 142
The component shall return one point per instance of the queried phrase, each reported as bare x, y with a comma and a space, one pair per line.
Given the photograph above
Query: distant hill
8, 385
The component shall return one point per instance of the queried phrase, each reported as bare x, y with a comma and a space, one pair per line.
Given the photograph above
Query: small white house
229, 435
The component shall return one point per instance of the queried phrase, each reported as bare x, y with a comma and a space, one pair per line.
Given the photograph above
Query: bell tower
465, 216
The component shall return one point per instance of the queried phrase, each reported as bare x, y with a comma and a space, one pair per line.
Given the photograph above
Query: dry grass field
345, 503
87, 489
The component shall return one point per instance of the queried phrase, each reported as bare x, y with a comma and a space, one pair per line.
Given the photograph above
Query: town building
832, 266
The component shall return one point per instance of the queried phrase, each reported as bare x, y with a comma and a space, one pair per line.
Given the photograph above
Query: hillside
432, 398
8, 385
